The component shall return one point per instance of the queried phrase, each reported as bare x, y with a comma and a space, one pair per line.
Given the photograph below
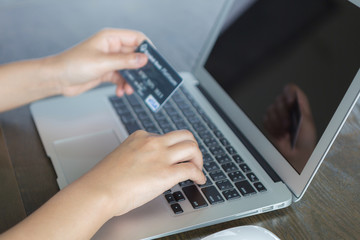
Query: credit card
156, 81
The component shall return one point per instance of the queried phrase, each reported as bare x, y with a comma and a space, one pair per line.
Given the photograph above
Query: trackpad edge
77, 155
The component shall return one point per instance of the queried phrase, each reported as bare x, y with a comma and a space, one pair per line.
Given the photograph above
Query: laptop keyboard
229, 178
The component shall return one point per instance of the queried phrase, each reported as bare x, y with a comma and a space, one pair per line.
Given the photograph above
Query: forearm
27, 81
76, 212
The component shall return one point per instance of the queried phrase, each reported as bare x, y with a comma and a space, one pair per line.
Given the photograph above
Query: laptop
265, 108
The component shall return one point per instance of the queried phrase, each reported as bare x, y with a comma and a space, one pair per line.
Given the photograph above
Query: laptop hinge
259, 158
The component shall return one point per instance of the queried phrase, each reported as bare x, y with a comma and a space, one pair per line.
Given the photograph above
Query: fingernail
205, 179
120, 92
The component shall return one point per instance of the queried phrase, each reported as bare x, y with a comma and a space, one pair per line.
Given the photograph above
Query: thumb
125, 61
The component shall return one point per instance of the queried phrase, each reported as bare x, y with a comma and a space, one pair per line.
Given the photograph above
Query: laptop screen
288, 65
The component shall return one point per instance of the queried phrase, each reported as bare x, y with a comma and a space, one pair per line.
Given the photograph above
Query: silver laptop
264, 106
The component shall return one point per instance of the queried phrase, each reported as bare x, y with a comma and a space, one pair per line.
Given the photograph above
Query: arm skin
144, 164
72, 72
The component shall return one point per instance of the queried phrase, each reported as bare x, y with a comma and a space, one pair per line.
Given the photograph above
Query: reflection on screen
288, 65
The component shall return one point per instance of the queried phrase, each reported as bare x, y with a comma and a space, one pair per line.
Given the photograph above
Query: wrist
50, 75
100, 197
27, 81
115, 198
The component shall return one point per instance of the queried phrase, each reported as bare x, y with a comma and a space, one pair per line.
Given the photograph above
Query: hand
141, 168
97, 60
144, 166
277, 122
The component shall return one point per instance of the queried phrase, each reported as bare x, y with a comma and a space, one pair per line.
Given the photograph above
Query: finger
188, 170
128, 89
113, 77
80, 88
186, 151
290, 93
113, 62
177, 136
120, 82
282, 112
122, 85
127, 49
272, 121
125, 37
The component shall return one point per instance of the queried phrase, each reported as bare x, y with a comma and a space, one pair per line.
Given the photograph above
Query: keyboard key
182, 125
212, 195
133, 100
229, 167
211, 125
224, 142
187, 110
163, 122
143, 116
176, 117
203, 149
167, 191
126, 118
218, 134
245, 168
186, 183
176, 208
178, 98
169, 109
147, 123
236, 176
211, 166
167, 129
178, 196
245, 188
159, 115
217, 175
194, 196
193, 119
217, 151
152, 129
231, 150
170, 198
208, 183
199, 127
185, 107
195, 104
132, 127
116, 99
139, 109
205, 134
231, 194
260, 187
207, 158
237, 159
224, 185
252, 177
223, 159
210, 142
122, 110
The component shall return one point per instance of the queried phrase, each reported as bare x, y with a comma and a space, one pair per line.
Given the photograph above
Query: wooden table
329, 210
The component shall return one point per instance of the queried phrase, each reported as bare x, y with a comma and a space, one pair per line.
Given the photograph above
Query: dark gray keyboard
228, 176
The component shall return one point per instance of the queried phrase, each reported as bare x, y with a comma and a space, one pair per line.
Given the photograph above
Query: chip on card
156, 81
